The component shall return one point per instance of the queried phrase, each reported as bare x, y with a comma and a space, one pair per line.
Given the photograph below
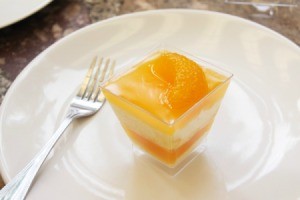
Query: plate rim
87, 28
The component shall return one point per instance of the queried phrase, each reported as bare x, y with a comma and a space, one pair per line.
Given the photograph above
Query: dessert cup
175, 143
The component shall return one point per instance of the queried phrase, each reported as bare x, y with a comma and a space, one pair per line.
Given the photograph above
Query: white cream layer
166, 141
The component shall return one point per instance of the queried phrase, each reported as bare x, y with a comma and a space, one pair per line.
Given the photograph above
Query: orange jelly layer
166, 85
169, 157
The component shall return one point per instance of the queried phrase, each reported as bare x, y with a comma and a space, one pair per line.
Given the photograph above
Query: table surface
22, 41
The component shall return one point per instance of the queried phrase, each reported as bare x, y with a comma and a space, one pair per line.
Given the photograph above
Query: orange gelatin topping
166, 86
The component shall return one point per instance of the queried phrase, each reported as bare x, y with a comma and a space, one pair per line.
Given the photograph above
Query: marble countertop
22, 41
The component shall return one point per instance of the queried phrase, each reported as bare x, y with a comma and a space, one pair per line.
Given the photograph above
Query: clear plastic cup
172, 144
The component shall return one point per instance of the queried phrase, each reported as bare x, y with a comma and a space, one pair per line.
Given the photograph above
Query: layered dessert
167, 103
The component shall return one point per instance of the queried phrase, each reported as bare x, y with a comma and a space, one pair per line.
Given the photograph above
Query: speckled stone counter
21, 42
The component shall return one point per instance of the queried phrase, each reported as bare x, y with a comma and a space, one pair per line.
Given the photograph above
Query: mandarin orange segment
163, 69
189, 84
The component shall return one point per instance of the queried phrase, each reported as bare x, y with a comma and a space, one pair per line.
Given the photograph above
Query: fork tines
98, 71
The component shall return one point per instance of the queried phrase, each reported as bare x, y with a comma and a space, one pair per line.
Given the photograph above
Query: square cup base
170, 170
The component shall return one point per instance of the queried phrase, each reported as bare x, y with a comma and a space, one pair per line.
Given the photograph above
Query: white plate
253, 148
15, 10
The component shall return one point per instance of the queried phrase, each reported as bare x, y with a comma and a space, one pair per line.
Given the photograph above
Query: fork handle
18, 187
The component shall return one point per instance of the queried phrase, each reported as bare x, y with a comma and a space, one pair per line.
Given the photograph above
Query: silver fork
87, 102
